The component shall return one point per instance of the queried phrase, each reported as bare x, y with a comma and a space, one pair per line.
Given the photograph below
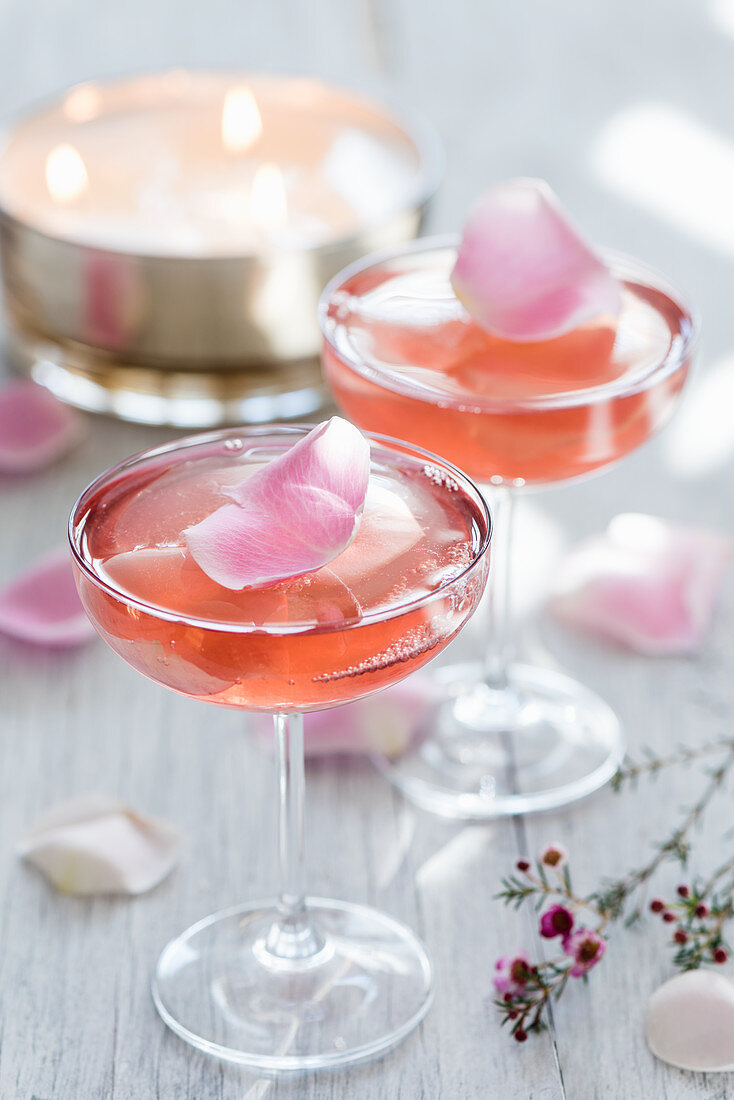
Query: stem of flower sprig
611, 900
631, 770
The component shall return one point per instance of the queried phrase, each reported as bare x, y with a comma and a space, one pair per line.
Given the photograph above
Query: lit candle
165, 236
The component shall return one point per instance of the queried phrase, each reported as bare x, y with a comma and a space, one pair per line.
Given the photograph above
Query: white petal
96, 844
690, 1021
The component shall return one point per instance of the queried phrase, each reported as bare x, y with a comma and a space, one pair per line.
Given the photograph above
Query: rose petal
97, 845
690, 1021
42, 605
292, 516
35, 427
385, 723
523, 271
646, 584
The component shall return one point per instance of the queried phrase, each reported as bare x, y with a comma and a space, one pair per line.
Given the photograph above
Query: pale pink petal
384, 723
294, 515
524, 272
648, 585
690, 1022
35, 427
42, 606
96, 844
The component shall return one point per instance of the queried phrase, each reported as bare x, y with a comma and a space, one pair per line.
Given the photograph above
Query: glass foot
367, 985
540, 742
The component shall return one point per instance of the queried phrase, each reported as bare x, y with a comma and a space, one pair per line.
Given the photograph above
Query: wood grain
511, 90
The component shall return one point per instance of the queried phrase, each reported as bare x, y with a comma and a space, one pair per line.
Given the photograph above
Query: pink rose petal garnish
292, 516
524, 272
35, 427
42, 606
648, 585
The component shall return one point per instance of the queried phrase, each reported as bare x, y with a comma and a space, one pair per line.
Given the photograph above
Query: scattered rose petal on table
690, 1021
294, 515
96, 844
385, 723
35, 427
524, 272
646, 584
42, 605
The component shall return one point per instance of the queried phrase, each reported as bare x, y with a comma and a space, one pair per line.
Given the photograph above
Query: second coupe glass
401, 355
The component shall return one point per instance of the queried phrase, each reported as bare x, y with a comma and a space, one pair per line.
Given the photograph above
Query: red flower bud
668, 917
702, 910
521, 1035
683, 891
720, 955
681, 936
522, 865
657, 905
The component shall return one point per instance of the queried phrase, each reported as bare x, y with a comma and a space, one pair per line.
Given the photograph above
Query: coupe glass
401, 355
294, 983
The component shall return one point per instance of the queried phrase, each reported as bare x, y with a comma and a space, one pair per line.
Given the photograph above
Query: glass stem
292, 936
497, 621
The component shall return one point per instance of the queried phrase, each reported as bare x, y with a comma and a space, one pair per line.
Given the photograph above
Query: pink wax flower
556, 921
645, 584
553, 855
35, 427
294, 515
586, 947
512, 973
524, 272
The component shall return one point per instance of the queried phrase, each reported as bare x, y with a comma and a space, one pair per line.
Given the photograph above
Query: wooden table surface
626, 109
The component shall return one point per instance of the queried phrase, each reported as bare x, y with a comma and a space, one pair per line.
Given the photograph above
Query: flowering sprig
526, 989
631, 770
696, 917
613, 897
699, 913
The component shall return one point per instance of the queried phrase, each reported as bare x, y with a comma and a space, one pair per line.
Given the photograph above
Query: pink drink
402, 356
392, 600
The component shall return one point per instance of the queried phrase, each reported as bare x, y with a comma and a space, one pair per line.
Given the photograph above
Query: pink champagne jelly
402, 356
391, 601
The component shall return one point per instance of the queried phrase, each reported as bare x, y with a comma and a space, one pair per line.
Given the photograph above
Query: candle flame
83, 103
66, 174
268, 202
241, 121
